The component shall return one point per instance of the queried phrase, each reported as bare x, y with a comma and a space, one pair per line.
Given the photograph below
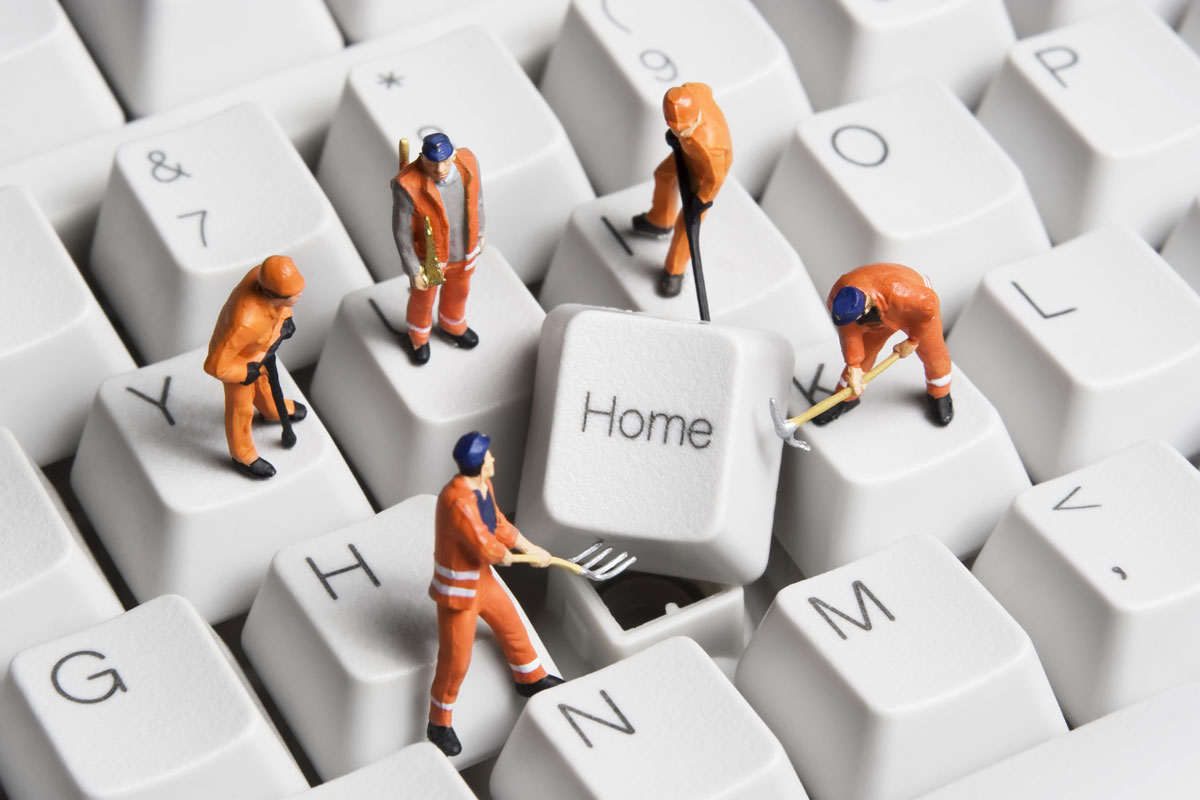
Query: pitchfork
615, 566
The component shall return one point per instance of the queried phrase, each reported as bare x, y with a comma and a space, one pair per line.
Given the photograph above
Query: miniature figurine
871, 303
706, 155
471, 534
437, 200
254, 321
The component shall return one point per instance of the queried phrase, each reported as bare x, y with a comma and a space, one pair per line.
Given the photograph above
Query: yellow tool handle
555, 561
834, 399
403, 152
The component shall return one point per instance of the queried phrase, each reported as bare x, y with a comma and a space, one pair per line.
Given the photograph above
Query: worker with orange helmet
871, 303
441, 185
471, 534
254, 320
693, 116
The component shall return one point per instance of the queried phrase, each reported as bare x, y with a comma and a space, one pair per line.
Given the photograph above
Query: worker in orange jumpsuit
255, 318
442, 184
870, 304
693, 115
471, 534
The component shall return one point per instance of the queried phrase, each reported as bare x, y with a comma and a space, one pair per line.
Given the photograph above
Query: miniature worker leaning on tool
868, 306
471, 534
436, 199
254, 321
707, 153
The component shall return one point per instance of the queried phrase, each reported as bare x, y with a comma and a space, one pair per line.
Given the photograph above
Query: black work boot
670, 285
530, 689
419, 355
644, 227
830, 414
466, 340
299, 411
444, 737
260, 469
940, 410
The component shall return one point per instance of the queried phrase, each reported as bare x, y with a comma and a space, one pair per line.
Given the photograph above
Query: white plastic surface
145, 706
361, 689
1086, 350
883, 471
847, 50
1182, 248
163, 53
664, 723
395, 420
912, 676
752, 276
56, 345
909, 177
168, 504
188, 212
1102, 568
469, 87
50, 90
1189, 28
615, 59
1103, 118
1034, 16
49, 584
652, 435
419, 770
1145, 750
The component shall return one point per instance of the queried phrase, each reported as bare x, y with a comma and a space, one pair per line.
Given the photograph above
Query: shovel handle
555, 561
834, 399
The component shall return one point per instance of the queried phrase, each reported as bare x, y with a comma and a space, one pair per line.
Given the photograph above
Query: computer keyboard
946, 630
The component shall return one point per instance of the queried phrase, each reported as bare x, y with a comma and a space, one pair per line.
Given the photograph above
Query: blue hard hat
436, 147
848, 305
470, 450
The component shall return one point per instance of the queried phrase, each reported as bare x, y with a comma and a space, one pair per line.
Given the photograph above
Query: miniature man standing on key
693, 116
256, 318
471, 534
441, 186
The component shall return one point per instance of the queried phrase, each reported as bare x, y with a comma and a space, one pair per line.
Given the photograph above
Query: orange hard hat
278, 275
681, 105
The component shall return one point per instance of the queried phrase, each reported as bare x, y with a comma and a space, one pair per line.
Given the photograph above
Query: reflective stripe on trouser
240, 402
456, 637
452, 304
931, 350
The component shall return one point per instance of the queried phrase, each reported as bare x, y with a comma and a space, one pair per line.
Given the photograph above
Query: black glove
252, 370
288, 329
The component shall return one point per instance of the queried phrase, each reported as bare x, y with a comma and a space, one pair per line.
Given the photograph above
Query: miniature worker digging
471, 534
256, 318
697, 122
870, 304
441, 186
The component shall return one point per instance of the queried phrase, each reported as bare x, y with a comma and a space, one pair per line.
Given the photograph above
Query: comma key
147, 705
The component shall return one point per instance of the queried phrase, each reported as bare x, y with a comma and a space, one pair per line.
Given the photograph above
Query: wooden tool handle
834, 399
555, 561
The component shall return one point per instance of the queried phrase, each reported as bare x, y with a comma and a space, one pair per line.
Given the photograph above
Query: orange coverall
427, 202
708, 154
245, 330
906, 303
464, 588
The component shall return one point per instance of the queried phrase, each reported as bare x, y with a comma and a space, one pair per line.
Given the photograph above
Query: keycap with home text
357, 600
615, 59
629, 731
903, 655
1103, 118
149, 704
846, 50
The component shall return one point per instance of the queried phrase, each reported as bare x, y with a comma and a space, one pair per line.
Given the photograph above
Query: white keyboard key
55, 343
1086, 350
1182, 248
147, 705
664, 723
1101, 568
420, 769
908, 176
836, 504
50, 90
187, 212
1189, 28
615, 59
1034, 16
605, 622
1103, 117
154, 476
928, 663
49, 584
159, 54
1145, 750
752, 276
652, 435
847, 50
369, 391
359, 598
481, 99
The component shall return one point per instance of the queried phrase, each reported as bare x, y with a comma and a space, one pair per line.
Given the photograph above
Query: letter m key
861, 592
